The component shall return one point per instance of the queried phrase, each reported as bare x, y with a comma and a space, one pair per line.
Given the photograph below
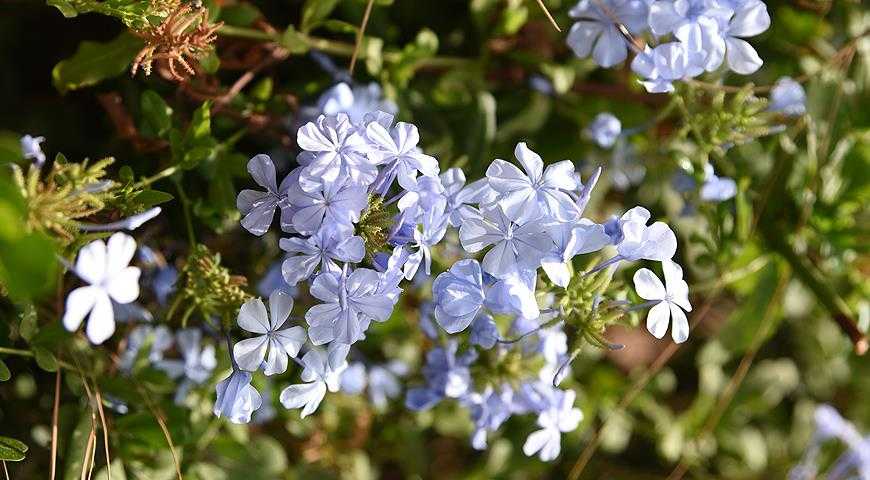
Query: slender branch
360, 34
157, 176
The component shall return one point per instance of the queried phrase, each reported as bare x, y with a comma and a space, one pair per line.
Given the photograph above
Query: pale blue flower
328, 246
458, 295
458, 197
356, 102
696, 23
337, 204
196, 364
160, 339
339, 153
351, 302
716, 189
236, 398
596, 31
659, 67
514, 294
425, 195
604, 129
447, 375
396, 149
430, 232
515, 246
258, 207
788, 97
489, 410
272, 343
558, 417
322, 372
484, 332
384, 383
32, 150
571, 239
524, 196
750, 18
353, 379
670, 300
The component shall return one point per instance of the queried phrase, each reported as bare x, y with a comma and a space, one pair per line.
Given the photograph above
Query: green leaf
94, 62
12, 450
5, 374
64, 6
314, 12
150, 198
45, 359
156, 114
200, 124
75, 452
241, 15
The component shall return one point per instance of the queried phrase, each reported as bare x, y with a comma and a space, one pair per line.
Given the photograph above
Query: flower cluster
694, 36
522, 220
362, 211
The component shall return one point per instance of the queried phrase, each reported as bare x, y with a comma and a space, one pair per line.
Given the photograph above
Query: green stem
29, 353
157, 176
185, 204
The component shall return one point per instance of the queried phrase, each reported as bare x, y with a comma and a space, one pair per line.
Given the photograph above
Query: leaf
314, 12
12, 450
64, 6
156, 114
5, 374
94, 62
150, 198
28, 265
45, 359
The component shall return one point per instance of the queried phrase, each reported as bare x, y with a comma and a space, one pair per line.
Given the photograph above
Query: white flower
105, 268
272, 341
672, 298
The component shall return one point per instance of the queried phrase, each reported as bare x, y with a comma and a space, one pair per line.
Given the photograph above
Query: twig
739, 375
549, 16
636, 388
360, 34
54, 423
5, 471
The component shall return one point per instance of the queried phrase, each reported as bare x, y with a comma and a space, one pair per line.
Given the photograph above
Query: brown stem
360, 34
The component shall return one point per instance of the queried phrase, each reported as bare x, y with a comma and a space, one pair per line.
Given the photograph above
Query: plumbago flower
236, 398
604, 129
363, 211
695, 36
273, 343
322, 372
530, 231
104, 266
669, 301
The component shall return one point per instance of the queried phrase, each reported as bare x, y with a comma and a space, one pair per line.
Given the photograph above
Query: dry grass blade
105, 431
162, 422
549, 16
89, 448
54, 421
